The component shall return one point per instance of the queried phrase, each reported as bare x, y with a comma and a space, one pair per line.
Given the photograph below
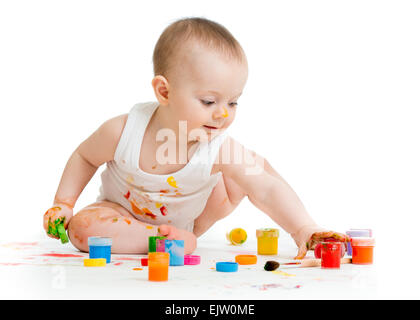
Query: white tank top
175, 199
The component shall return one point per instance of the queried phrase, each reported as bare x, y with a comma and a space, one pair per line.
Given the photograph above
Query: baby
171, 168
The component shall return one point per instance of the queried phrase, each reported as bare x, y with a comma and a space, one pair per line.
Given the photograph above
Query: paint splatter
158, 204
164, 211
127, 195
118, 263
61, 255
126, 258
148, 213
135, 209
225, 113
149, 227
282, 273
115, 220
264, 287
171, 181
136, 269
127, 221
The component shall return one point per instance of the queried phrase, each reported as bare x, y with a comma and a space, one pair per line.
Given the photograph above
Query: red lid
362, 241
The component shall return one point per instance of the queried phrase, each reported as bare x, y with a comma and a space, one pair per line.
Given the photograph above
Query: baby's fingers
302, 251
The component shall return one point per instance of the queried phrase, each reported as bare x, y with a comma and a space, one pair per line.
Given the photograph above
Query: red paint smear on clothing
163, 210
127, 195
61, 255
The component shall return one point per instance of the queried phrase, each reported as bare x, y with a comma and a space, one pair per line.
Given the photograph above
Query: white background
332, 101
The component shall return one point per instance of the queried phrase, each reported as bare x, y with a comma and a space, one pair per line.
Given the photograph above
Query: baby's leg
108, 219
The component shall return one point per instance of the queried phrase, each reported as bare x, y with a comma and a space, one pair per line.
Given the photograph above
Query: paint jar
357, 233
158, 266
330, 255
100, 247
267, 241
362, 250
175, 248
152, 243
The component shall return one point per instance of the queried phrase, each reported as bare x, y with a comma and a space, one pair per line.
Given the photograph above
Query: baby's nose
220, 112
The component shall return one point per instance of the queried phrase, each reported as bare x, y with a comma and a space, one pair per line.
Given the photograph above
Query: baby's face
204, 90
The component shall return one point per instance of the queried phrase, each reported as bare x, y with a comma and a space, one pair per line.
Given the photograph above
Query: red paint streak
126, 258
128, 221
23, 243
118, 263
163, 210
151, 215
127, 195
164, 191
10, 264
61, 255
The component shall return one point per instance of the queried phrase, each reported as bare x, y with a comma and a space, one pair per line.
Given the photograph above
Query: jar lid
99, 241
267, 232
359, 233
362, 241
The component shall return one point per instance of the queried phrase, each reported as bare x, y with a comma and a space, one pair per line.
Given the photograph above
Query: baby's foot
173, 233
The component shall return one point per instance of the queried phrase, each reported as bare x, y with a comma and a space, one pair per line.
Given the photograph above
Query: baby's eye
233, 104
206, 102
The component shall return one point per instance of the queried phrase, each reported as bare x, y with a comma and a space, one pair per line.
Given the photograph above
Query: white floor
27, 273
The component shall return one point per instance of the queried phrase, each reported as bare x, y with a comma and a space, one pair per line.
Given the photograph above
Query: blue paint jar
356, 233
100, 247
175, 248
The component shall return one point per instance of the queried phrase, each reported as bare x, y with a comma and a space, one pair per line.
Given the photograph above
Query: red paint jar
362, 250
330, 255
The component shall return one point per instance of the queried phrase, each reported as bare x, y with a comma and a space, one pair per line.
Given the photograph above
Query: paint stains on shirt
171, 181
164, 211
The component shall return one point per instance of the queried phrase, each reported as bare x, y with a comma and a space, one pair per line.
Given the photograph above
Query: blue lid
226, 266
99, 241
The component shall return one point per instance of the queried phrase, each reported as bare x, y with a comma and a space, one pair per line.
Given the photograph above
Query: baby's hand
307, 238
56, 212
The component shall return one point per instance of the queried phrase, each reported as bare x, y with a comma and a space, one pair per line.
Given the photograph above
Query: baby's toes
169, 232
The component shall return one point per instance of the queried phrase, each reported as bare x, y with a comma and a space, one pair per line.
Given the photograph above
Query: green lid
152, 243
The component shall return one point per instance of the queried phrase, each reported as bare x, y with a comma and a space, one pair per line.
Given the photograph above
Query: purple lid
359, 232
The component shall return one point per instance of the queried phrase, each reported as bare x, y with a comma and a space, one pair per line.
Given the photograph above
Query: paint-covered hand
58, 211
308, 237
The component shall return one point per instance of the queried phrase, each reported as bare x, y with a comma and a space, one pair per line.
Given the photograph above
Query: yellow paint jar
267, 241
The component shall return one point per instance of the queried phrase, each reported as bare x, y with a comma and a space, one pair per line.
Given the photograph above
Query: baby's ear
161, 87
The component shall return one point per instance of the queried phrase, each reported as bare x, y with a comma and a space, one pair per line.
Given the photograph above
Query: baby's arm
269, 192
82, 165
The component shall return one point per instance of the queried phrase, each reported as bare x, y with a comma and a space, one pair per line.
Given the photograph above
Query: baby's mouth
210, 127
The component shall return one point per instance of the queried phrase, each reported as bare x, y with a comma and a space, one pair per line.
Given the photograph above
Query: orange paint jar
158, 266
267, 241
362, 250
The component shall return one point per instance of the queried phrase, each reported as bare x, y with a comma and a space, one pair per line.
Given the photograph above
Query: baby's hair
208, 33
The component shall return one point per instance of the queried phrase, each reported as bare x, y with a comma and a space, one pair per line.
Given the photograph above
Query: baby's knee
88, 222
